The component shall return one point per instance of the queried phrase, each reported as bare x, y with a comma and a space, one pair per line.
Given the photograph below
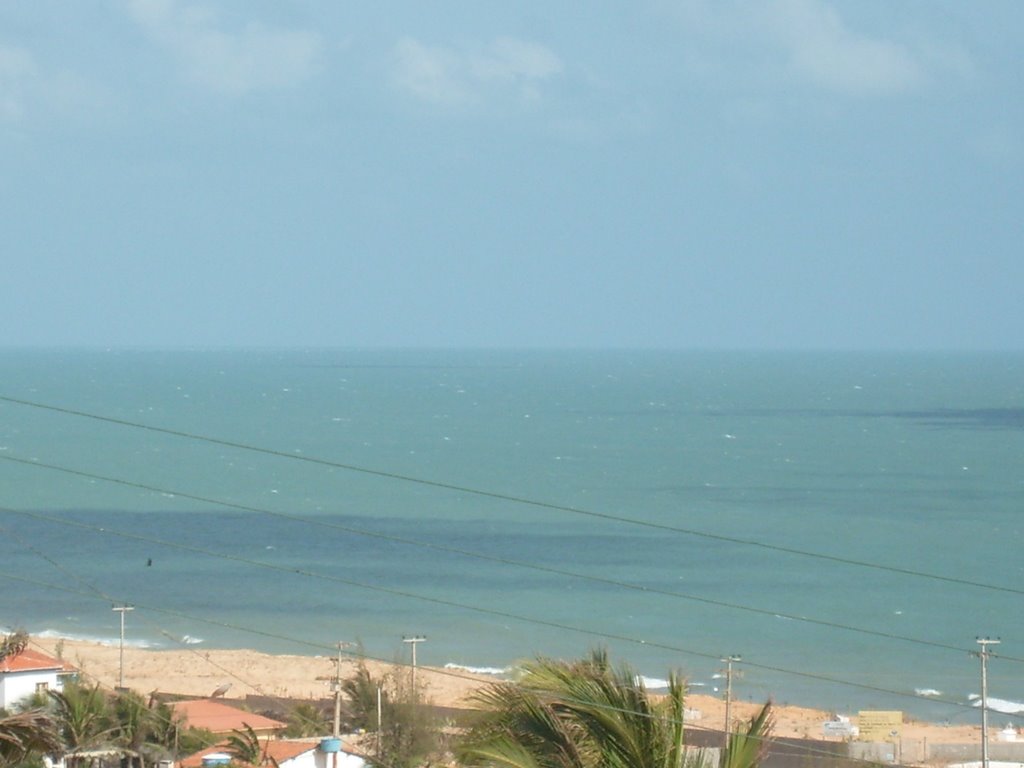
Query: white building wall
305, 760
15, 686
326, 760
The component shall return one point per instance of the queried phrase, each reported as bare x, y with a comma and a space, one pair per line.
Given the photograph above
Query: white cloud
509, 59
822, 49
255, 57
812, 42
431, 74
445, 75
17, 70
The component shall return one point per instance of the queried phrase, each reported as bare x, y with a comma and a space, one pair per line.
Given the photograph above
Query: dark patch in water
967, 418
955, 418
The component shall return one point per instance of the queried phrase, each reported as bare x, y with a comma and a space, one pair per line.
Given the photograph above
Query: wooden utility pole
380, 723
984, 655
336, 686
122, 609
729, 661
414, 641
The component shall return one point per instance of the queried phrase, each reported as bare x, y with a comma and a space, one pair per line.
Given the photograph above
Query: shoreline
198, 671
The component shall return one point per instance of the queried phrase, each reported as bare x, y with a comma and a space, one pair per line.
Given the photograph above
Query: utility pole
729, 661
414, 641
336, 687
984, 655
380, 723
122, 609
335, 683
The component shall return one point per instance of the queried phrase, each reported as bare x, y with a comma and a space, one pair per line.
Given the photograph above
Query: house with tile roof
218, 717
30, 671
286, 753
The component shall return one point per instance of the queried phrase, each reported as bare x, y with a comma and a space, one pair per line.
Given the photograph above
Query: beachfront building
286, 754
223, 719
29, 672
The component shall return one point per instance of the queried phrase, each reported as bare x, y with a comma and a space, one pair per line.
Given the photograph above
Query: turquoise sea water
739, 466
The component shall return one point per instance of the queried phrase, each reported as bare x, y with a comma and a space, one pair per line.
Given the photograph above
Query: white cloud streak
822, 49
253, 58
443, 75
17, 71
810, 42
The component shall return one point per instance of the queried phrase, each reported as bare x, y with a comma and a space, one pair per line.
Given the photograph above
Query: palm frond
26, 733
13, 644
244, 745
580, 714
746, 749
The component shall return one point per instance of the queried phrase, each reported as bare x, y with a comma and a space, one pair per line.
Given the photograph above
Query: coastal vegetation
81, 721
589, 714
244, 747
25, 737
583, 713
403, 731
28, 734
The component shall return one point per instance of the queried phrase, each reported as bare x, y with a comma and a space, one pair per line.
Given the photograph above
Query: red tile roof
222, 718
277, 749
30, 660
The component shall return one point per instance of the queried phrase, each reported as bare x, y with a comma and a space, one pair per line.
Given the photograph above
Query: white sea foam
130, 643
999, 705
496, 671
927, 692
190, 640
653, 683
504, 396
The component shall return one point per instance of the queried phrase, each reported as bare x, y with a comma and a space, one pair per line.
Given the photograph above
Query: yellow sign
879, 724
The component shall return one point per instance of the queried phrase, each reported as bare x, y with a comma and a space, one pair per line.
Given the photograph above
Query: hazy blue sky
668, 173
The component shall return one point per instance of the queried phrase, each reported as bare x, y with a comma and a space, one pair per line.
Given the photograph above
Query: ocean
848, 523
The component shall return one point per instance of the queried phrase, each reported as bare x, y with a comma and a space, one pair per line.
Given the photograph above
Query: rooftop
276, 749
30, 660
222, 718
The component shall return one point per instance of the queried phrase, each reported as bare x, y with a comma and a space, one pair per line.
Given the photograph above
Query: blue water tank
330, 745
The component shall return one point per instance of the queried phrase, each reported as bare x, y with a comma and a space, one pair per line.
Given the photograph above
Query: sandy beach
200, 671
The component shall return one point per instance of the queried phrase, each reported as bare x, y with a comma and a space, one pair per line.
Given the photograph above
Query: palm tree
746, 749
13, 644
587, 714
244, 746
25, 734
306, 719
166, 727
82, 714
361, 692
406, 733
583, 714
140, 729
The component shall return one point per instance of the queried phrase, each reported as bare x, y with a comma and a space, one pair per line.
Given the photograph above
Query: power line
100, 594
437, 671
806, 749
573, 510
488, 558
798, 748
477, 609
508, 497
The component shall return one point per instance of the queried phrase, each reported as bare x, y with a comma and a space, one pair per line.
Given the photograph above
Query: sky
779, 174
